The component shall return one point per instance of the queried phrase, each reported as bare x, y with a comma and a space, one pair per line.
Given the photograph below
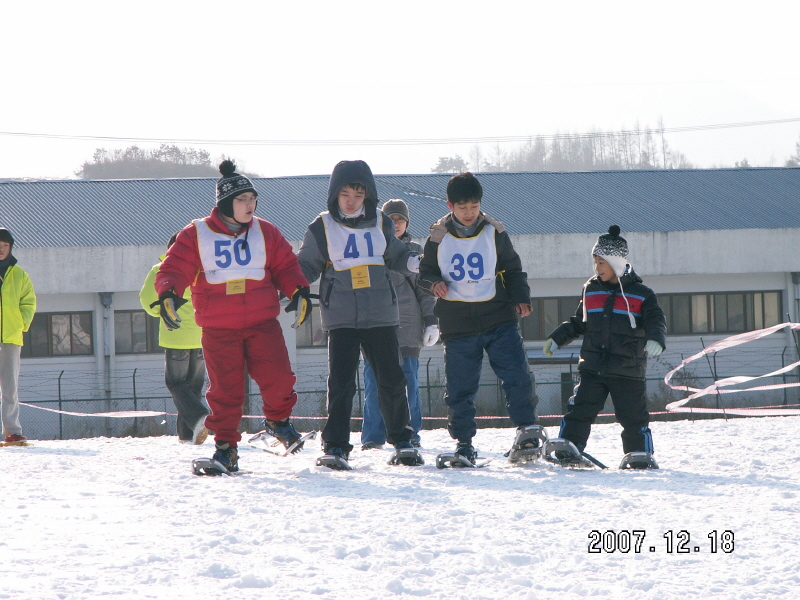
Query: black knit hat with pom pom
230, 185
611, 244
613, 249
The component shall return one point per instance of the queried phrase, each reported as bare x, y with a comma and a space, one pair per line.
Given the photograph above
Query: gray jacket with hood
416, 307
341, 306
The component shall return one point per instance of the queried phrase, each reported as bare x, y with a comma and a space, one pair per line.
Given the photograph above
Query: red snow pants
263, 350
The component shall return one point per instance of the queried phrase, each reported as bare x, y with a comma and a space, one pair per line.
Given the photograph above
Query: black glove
301, 305
170, 303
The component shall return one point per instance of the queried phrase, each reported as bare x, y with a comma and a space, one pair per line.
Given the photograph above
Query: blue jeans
462, 365
373, 429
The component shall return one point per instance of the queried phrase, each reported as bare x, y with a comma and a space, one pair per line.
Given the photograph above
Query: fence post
783, 364
60, 416
135, 407
713, 374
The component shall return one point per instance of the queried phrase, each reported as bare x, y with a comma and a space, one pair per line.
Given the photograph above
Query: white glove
431, 335
413, 263
653, 348
549, 346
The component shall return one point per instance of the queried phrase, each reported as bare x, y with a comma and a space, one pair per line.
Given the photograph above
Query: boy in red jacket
236, 263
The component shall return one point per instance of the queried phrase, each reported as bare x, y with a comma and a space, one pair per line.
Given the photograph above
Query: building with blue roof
719, 246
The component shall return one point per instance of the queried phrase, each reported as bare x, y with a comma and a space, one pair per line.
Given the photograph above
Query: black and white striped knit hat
230, 185
613, 249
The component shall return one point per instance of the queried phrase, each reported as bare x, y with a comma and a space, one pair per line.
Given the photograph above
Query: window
310, 333
59, 334
547, 314
135, 332
686, 314
721, 312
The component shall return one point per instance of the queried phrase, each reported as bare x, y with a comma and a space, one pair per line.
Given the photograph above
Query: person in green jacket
184, 365
17, 306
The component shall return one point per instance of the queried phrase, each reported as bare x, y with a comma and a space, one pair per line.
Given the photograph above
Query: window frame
28, 343
150, 334
753, 304
718, 305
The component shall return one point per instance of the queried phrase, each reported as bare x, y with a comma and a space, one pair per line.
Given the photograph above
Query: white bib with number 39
468, 265
349, 247
227, 258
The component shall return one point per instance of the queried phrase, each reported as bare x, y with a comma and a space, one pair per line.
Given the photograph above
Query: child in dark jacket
622, 323
470, 265
351, 247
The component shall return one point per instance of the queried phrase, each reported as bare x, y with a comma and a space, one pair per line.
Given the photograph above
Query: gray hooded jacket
342, 306
416, 307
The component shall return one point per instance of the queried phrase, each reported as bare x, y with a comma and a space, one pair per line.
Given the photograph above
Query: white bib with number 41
349, 247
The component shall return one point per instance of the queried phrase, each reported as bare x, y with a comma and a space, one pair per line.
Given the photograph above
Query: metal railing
311, 408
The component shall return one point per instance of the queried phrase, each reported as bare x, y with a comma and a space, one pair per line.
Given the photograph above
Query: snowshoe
285, 432
528, 444
336, 459
638, 460
464, 456
263, 440
224, 462
406, 454
209, 466
565, 453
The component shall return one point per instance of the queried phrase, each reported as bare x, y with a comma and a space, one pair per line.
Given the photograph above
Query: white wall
665, 253
81, 269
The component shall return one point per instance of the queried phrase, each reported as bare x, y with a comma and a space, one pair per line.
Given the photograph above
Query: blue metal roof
148, 211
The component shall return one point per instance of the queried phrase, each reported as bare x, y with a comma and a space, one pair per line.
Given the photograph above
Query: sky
348, 71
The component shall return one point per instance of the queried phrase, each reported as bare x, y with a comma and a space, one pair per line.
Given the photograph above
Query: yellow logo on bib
360, 276
235, 286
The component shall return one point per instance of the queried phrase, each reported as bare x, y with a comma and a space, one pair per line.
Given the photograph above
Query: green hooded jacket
17, 304
187, 336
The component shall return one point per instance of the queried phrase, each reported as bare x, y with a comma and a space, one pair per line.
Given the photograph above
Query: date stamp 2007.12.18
677, 542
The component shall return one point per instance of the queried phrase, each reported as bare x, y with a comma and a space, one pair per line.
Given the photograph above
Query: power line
408, 141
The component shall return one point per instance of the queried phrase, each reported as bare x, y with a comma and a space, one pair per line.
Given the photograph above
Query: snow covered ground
126, 518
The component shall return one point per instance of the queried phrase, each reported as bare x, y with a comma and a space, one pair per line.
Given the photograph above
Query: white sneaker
200, 433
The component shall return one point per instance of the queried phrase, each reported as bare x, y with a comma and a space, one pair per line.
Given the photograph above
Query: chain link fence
311, 408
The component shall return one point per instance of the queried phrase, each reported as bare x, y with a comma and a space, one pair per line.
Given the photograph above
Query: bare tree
794, 159
637, 148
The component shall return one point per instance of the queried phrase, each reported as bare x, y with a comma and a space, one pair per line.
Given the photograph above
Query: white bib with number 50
349, 247
468, 266
227, 258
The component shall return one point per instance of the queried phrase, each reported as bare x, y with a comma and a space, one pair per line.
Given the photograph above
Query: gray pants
9, 376
184, 374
